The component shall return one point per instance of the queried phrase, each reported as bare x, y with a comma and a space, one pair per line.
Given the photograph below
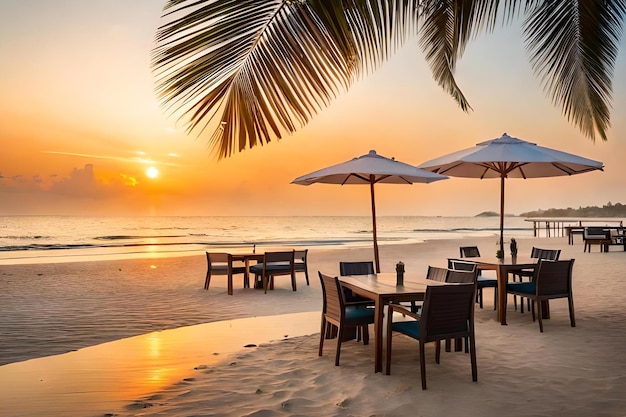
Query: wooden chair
483, 282
436, 273
552, 279
447, 313
275, 263
336, 312
469, 252
537, 253
301, 264
220, 263
356, 268
596, 236
465, 274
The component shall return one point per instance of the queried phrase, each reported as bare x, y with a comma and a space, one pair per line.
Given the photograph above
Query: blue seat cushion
359, 314
523, 287
409, 328
483, 282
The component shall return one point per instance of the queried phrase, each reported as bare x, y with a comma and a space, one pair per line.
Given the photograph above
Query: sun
152, 172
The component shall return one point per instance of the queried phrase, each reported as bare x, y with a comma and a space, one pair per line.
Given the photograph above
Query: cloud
79, 192
81, 183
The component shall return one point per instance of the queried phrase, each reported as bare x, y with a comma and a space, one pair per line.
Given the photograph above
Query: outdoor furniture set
604, 237
269, 265
447, 301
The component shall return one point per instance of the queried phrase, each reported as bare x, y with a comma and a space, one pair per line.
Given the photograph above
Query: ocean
34, 239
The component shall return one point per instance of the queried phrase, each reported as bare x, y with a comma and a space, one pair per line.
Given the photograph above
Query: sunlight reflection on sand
105, 377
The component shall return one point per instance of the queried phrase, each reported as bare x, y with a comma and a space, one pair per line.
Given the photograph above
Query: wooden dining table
382, 289
503, 267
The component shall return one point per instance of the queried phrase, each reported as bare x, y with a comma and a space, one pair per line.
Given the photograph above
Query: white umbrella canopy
509, 157
370, 169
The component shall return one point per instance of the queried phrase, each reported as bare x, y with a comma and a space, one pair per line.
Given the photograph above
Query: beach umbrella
509, 157
370, 169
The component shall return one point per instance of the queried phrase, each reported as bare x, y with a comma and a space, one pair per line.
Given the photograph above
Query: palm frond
443, 38
254, 69
574, 47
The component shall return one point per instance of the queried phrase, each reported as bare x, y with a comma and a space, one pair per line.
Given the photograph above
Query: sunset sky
80, 124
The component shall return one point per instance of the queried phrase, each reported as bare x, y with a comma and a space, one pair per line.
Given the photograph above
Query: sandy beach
99, 316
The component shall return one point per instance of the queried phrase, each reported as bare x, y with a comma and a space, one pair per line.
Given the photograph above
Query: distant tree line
608, 210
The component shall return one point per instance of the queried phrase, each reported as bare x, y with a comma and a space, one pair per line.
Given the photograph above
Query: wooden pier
567, 226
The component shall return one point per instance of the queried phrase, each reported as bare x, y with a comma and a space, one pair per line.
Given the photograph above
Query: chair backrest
459, 265
447, 312
436, 273
462, 272
356, 268
333, 298
595, 233
300, 255
553, 277
219, 262
283, 256
549, 254
469, 252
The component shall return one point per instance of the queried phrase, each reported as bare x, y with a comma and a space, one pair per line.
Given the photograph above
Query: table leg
378, 336
246, 274
503, 277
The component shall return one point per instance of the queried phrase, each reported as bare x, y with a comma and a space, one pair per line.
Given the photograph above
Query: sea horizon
60, 238
66, 238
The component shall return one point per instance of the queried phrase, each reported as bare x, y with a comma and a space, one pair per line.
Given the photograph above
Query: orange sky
80, 124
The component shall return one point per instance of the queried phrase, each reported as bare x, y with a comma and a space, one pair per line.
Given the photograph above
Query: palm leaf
443, 42
573, 47
254, 69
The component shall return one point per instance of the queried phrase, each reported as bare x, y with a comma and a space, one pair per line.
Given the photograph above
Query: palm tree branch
443, 42
257, 68
573, 47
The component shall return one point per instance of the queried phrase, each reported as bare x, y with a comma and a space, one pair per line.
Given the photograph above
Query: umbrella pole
502, 213
376, 259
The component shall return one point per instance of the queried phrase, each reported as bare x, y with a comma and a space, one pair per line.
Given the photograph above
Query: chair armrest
401, 309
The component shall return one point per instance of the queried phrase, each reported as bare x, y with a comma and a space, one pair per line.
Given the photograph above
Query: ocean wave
26, 237
213, 244
470, 229
51, 246
137, 237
